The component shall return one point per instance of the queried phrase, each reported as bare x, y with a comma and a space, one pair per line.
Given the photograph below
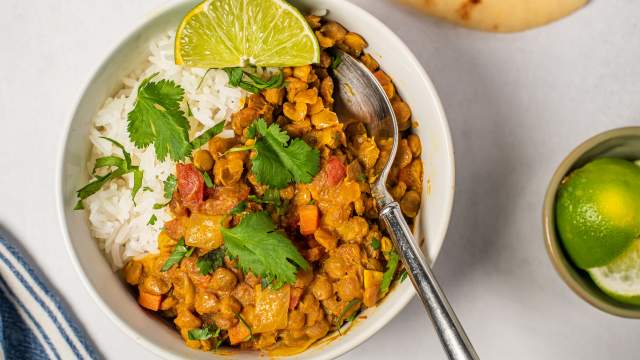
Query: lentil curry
347, 260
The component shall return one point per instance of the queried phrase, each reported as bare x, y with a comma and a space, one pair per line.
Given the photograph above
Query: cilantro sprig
263, 250
122, 167
278, 160
169, 187
252, 83
204, 333
179, 252
157, 119
210, 261
387, 277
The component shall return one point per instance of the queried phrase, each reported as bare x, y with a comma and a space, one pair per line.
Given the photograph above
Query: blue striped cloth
34, 323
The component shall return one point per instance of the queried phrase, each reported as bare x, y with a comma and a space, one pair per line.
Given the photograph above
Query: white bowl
114, 297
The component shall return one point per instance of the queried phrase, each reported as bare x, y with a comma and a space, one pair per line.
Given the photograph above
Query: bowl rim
404, 294
563, 266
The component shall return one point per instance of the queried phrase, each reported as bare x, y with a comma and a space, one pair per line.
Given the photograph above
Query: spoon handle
452, 335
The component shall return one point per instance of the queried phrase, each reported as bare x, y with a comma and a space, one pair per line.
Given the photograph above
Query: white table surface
516, 104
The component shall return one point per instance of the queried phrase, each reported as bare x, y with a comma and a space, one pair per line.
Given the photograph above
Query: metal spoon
360, 97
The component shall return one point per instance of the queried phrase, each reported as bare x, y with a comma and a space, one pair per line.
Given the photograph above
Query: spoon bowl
360, 97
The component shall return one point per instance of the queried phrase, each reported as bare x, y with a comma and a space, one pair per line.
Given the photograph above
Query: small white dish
115, 297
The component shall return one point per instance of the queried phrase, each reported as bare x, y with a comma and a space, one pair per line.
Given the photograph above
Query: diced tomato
336, 171
190, 184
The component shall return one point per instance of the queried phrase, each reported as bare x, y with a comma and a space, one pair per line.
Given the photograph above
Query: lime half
230, 33
621, 278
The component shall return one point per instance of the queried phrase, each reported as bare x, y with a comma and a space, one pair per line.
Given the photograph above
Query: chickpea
132, 272
314, 316
325, 59
334, 31
403, 113
355, 42
412, 175
404, 155
203, 160
266, 339
326, 90
229, 306
410, 204
318, 330
324, 41
303, 278
349, 288
223, 280
186, 319
296, 320
205, 302
244, 293
302, 72
398, 191
335, 267
314, 21
309, 304
225, 322
415, 145
274, 96
353, 230
154, 285
321, 288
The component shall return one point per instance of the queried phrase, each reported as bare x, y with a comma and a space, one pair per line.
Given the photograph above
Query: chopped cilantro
157, 119
244, 322
123, 167
279, 162
387, 277
207, 180
204, 333
239, 208
210, 261
170, 186
152, 220
336, 61
146, 188
403, 275
179, 252
345, 310
253, 83
207, 135
375, 243
263, 250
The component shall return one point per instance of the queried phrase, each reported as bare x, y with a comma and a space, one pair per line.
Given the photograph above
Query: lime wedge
620, 279
230, 33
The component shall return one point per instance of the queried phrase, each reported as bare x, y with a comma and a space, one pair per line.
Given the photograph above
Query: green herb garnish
263, 250
152, 220
336, 61
239, 208
403, 275
387, 277
251, 82
170, 185
122, 166
204, 333
375, 243
279, 161
179, 252
345, 310
210, 261
207, 180
243, 321
157, 119
270, 196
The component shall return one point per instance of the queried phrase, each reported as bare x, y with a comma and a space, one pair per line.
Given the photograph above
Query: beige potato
498, 15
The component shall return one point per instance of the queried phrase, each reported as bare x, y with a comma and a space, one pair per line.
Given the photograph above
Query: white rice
119, 225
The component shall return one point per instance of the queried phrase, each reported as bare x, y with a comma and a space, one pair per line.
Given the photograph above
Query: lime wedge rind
229, 33
620, 279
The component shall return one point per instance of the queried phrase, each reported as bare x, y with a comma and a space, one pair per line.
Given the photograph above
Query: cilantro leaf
239, 208
207, 135
179, 252
244, 322
375, 244
254, 84
387, 277
152, 220
277, 164
263, 250
123, 167
340, 320
204, 333
170, 186
157, 119
403, 275
207, 180
336, 61
210, 261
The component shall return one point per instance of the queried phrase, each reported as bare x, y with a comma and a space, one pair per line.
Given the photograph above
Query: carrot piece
150, 301
308, 219
238, 333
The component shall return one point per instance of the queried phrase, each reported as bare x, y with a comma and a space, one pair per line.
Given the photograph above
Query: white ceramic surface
114, 297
